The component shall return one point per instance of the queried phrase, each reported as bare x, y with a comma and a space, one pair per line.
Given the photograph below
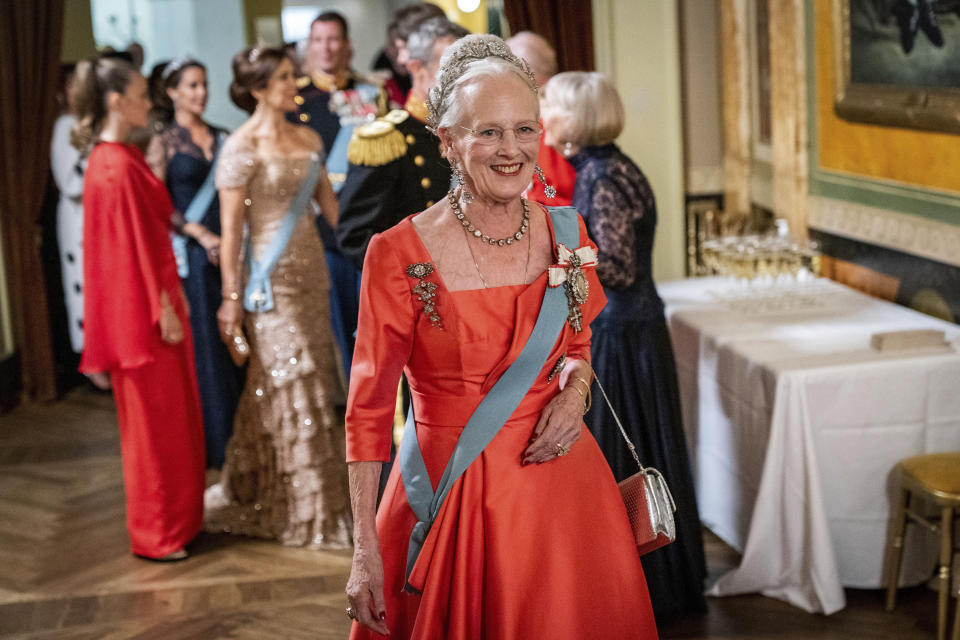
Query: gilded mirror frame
914, 107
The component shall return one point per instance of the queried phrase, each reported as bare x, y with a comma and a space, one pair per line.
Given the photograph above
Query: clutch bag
238, 346
650, 506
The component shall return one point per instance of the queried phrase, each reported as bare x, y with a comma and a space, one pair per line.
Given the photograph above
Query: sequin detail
286, 475
425, 291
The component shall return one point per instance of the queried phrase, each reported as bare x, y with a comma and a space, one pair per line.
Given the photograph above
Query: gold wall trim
899, 231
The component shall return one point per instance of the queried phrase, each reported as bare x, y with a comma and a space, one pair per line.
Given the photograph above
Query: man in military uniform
395, 164
333, 100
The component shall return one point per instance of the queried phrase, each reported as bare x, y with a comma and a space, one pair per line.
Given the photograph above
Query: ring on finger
352, 614
561, 450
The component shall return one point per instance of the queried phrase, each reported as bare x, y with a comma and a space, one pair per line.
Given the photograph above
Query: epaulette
303, 81
397, 116
376, 144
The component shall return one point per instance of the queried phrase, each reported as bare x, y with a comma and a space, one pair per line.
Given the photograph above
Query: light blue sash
258, 296
195, 211
492, 412
337, 163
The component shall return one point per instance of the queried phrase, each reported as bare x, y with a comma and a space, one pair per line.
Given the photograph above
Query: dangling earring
462, 183
567, 149
548, 189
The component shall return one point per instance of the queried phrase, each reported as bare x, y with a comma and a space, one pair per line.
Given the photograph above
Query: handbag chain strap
633, 450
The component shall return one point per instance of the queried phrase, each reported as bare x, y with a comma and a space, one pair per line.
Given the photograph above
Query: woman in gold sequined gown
285, 475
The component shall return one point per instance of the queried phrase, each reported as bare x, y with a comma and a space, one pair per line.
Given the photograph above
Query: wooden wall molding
734, 24
788, 84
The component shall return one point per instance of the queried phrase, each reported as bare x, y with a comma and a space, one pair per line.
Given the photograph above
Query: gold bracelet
582, 394
585, 383
233, 295
587, 399
589, 393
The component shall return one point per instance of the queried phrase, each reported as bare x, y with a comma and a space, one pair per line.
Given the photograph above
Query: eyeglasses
491, 136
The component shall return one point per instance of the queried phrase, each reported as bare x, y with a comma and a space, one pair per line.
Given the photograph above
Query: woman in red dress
136, 317
532, 541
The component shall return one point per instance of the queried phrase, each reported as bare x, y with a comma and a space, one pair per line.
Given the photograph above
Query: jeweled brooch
425, 291
557, 368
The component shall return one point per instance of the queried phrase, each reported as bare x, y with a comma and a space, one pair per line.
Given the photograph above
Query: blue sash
258, 296
337, 163
195, 211
350, 116
492, 412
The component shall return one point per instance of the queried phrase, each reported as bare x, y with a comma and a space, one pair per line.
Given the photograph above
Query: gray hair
420, 42
464, 61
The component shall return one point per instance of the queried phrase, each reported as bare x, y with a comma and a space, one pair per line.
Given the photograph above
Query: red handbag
650, 506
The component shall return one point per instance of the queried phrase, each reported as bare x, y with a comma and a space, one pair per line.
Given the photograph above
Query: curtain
31, 34
566, 24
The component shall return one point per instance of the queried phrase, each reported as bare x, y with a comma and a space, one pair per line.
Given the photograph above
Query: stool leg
956, 613
895, 550
956, 618
946, 556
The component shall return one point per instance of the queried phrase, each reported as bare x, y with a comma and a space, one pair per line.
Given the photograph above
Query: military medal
569, 272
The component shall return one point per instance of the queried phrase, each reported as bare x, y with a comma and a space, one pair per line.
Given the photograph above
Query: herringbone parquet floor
66, 572
65, 567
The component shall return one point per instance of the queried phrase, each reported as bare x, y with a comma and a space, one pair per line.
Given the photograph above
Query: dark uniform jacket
314, 110
318, 109
378, 195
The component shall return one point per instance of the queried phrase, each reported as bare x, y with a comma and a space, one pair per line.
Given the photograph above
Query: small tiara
465, 51
257, 51
173, 66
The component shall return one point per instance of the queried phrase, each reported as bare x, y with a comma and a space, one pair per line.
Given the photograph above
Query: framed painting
898, 62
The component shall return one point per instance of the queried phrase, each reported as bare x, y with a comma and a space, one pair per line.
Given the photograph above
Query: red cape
128, 259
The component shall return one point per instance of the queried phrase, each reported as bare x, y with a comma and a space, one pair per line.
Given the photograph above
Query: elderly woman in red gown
532, 540
135, 315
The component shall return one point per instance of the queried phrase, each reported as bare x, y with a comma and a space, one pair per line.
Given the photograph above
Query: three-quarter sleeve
236, 164
385, 331
611, 222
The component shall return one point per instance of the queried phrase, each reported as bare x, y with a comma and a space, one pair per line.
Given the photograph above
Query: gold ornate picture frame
877, 91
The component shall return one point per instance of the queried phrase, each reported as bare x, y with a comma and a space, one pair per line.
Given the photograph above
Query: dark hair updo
95, 79
252, 70
166, 76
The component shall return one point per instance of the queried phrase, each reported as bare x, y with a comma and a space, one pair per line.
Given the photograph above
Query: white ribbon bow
558, 272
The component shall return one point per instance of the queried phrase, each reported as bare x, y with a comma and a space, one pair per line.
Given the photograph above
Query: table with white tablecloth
794, 424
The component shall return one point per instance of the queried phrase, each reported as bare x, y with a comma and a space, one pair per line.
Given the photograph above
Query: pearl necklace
484, 238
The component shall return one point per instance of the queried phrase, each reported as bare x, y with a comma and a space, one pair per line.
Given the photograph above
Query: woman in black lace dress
183, 154
632, 354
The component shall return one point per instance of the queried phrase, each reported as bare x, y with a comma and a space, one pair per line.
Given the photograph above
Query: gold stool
936, 478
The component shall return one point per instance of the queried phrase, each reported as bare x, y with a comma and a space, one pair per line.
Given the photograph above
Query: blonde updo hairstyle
252, 70
94, 80
592, 108
466, 60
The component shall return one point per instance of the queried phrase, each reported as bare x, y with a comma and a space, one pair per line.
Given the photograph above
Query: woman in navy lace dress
182, 154
632, 354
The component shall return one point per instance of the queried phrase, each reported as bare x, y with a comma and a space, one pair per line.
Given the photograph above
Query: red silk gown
128, 262
516, 552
